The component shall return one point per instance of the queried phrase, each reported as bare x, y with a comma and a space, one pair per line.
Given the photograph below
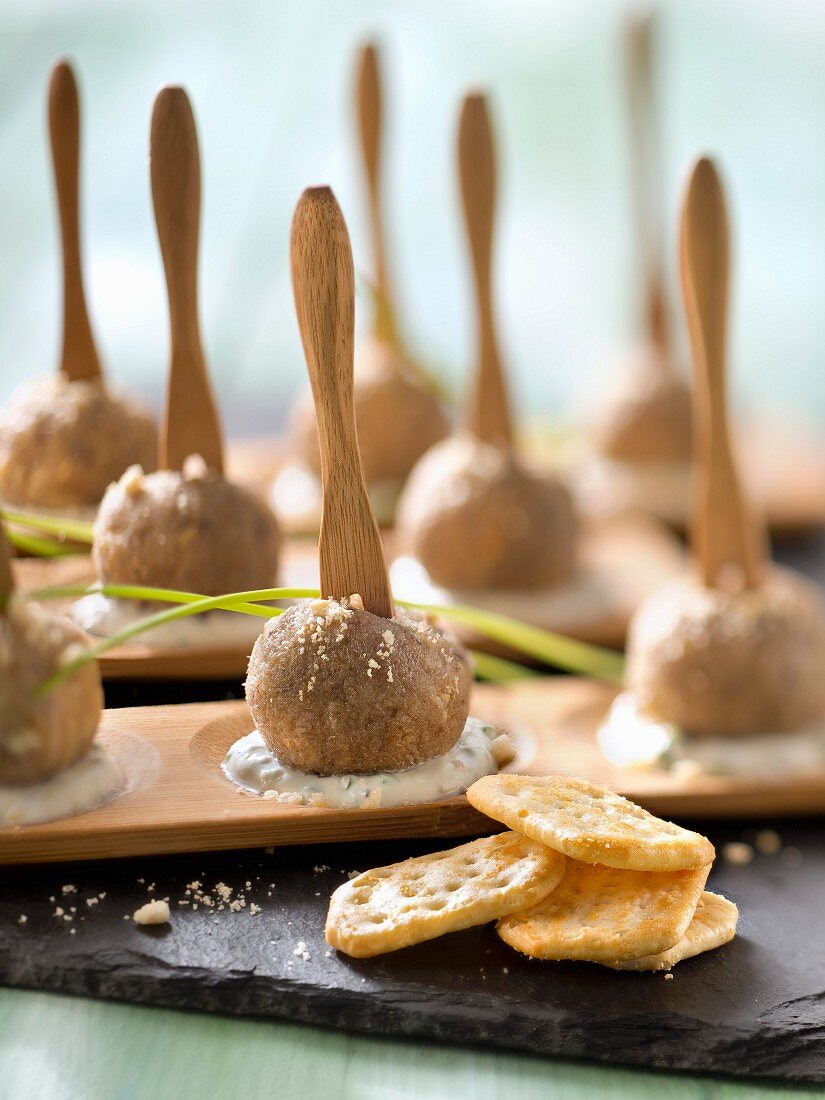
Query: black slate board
754, 1007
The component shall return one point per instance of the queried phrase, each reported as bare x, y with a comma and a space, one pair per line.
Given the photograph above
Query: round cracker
422, 898
589, 823
600, 914
713, 924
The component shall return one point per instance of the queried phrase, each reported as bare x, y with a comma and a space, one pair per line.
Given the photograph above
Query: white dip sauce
631, 739
606, 487
101, 616
253, 766
566, 606
89, 783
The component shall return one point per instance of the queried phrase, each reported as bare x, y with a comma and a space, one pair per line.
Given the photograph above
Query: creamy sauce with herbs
631, 739
101, 616
252, 765
566, 606
606, 487
84, 786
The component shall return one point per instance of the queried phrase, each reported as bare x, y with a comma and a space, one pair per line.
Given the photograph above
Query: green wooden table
62, 1048
256, 77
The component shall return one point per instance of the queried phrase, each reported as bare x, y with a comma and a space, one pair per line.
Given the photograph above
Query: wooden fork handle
488, 415
729, 540
79, 359
351, 552
190, 423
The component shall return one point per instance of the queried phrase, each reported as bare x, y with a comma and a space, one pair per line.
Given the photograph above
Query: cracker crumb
356, 602
686, 770
791, 857
153, 912
69, 889
502, 749
768, 842
668, 977
736, 851
300, 951
22, 918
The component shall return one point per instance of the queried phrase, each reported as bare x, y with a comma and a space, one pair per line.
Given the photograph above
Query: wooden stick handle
351, 552
728, 539
646, 175
488, 415
78, 359
6, 577
370, 118
190, 424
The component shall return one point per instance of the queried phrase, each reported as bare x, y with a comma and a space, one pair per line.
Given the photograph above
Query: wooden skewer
6, 577
190, 424
351, 552
728, 539
488, 414
79, 360
646, 178
370, 117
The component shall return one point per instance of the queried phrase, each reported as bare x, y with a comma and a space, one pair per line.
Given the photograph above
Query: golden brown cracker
713, 924
589, 823
600, 914
419, 899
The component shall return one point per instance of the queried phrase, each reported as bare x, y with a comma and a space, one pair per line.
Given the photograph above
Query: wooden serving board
784, 462
178, 800
141, 661
624, 559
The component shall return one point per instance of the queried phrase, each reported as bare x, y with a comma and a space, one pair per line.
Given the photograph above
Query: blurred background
272, 89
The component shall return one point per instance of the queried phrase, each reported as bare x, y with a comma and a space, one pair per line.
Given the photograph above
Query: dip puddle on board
629, 738
101, 616
87, 784
480, 750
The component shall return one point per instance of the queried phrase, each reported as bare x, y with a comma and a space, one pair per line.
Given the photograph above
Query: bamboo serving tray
785, 465
622, 560
626, 558
137, 661
177, 799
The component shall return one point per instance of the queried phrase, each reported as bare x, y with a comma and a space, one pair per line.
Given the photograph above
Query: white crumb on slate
153, 912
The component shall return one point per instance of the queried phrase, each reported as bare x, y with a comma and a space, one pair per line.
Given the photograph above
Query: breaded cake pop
397, 410
714, 662
64, 439
336, 689
398, 414
189, 529
185, 526
473, 513
40, 737
642, 427
741, 648
346, 683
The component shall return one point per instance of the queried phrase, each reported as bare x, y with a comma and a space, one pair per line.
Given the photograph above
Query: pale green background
271, 86
271, 83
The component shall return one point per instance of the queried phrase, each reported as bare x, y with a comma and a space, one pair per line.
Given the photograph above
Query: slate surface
755, 1007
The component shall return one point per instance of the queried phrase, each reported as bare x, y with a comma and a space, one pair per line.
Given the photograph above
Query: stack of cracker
585, 875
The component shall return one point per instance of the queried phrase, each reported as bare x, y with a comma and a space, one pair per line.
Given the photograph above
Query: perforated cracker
589, 823
419, 899
600, 914
713, 924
